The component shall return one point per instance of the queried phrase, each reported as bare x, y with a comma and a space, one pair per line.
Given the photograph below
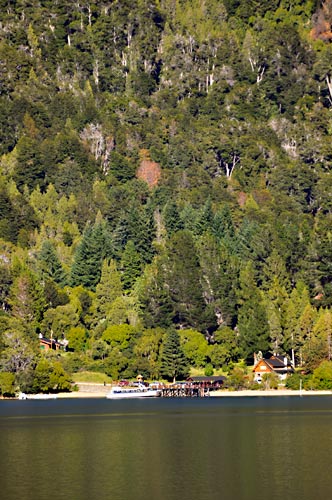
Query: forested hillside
165, 171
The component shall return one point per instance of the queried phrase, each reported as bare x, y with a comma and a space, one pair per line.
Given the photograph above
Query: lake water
167, 449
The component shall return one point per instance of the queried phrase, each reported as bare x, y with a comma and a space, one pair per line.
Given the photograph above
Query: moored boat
132, 392
24, 396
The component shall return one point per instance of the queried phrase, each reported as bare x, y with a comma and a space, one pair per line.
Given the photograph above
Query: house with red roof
280, 365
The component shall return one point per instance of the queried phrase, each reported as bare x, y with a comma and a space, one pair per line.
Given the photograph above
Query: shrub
237, 379
270, 381
322, 376
7, 384
208, 370
294, 381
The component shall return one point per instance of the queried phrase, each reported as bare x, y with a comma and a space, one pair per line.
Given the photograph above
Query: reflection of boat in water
132, 392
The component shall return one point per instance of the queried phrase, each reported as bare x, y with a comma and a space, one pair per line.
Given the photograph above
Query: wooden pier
184, 391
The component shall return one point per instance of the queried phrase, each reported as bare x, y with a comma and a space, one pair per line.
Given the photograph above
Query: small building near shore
280, 365
46, 344
213, 382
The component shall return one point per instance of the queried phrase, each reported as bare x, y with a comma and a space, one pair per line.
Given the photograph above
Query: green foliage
108, 289
174, 364
86, 269
131, 266
195, 347
208, 371
226, 348
119, 336
252, 320
153, 294
27, 299
115, 364
50, 265
322, 376
297, 381
77, 338
7, 384
49, 376
237, 379
16, 214
18, 354
5, 284
146, 352
270, 381
183, 279
171, 217
231, 243
91, 377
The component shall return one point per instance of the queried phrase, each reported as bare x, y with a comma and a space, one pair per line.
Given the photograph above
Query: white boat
22, 395
132, 392
41, 396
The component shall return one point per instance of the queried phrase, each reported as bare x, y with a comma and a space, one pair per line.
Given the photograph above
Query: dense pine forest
166, 189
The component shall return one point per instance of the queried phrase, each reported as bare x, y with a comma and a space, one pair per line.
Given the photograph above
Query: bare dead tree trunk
329, 86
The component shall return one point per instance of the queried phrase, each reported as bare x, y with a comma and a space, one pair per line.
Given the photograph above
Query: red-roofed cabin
46, 344
275, 364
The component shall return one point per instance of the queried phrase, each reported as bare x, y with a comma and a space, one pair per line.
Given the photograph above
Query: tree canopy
165, 167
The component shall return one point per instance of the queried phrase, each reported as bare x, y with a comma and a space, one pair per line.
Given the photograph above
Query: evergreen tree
171, 218
222, 225
50, 265
173, 362
274, 300
294, 308
94, 247
324, 252
183, 279
131, 266
154, 295
252, 321
30, 169
137, 226
205, 219
6, 280
219, 279
274, 271
317, 346
108, 289
27, 300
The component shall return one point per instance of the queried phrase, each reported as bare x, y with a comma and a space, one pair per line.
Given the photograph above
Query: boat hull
131, 394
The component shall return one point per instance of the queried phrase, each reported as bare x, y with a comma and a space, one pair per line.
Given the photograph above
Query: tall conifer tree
109, 288
94, 247
173, 361
252, 320
183, 279
50, 265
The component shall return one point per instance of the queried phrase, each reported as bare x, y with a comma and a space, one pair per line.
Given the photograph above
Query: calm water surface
167, 449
